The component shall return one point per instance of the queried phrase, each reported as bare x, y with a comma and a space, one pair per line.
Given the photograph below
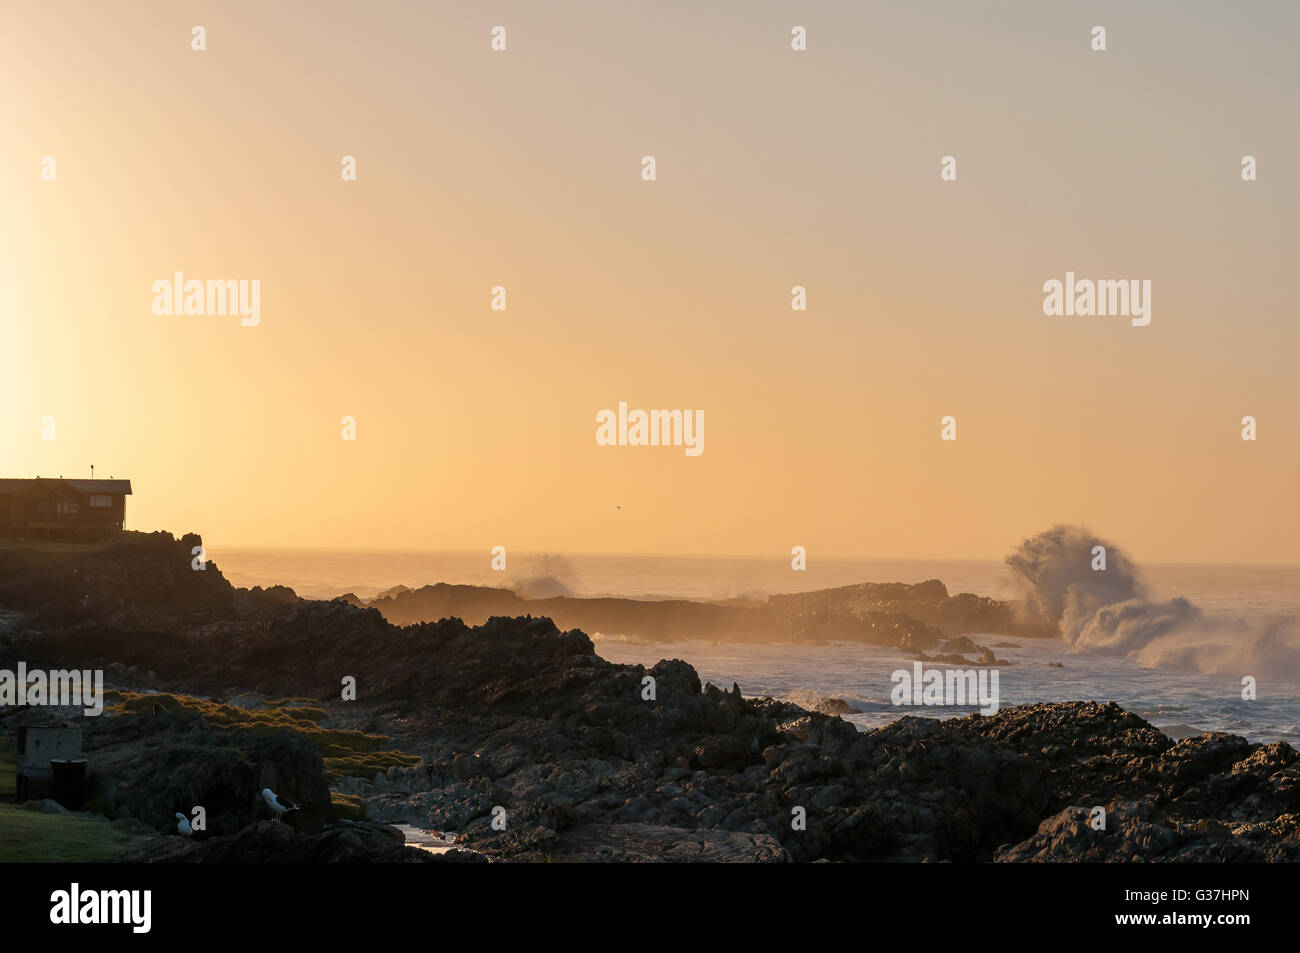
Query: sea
1181, 701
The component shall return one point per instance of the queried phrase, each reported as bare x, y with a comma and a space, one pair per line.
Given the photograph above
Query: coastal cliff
582, 763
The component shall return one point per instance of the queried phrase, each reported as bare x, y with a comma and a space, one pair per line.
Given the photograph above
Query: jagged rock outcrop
911, 617
133, 576
519, 720
149, 767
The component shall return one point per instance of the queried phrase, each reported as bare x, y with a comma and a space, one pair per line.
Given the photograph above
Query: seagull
183, 825
275, 804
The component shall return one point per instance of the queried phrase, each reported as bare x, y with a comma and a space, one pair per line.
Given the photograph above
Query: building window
67, 508
101, 500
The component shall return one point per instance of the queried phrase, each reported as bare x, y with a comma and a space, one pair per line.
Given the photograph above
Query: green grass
30, 837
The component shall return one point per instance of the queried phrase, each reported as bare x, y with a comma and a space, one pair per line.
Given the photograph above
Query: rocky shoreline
519, 721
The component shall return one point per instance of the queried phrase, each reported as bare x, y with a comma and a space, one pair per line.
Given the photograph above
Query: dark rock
149, 768
270, 842
519, 715
835, 706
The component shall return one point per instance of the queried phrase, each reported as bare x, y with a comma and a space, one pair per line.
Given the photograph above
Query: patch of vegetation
345, 752
28, 836
348, 806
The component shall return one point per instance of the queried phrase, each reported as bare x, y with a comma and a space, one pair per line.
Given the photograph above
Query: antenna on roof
92, 471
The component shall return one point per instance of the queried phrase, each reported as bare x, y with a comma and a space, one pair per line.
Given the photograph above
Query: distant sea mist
1051, 571
323, 574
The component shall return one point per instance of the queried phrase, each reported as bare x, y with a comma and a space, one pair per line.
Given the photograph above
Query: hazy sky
522, 168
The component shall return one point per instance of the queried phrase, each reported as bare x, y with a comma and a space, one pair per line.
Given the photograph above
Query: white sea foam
1112, 612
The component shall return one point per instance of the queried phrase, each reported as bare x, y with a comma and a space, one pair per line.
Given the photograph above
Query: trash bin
70, 782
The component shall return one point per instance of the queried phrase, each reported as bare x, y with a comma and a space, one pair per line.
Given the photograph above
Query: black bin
70, 782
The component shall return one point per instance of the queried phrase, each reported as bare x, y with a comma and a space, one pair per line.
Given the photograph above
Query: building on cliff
62, 509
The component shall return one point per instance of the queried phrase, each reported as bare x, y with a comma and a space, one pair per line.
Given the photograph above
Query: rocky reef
910, 617
527, 745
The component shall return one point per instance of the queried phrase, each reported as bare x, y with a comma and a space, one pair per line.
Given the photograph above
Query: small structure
62, 509
44, 737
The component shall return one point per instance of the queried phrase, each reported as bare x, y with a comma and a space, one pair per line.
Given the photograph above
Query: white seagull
274, 803
183, 825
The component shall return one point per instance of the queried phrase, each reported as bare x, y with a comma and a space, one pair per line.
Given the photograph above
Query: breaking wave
1111, 612
547, 576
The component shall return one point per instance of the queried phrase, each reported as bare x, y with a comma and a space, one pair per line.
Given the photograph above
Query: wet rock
834, 706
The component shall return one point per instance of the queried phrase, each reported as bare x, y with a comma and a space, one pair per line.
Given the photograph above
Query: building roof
9, 486
100, 486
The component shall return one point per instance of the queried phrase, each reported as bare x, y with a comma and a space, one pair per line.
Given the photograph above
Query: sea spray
1110, 611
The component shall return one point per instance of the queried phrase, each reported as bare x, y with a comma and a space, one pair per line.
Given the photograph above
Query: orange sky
775, 168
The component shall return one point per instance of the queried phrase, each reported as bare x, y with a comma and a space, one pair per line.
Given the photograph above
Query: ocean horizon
325, 573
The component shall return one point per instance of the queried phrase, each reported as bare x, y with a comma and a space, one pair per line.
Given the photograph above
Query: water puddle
431, 841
